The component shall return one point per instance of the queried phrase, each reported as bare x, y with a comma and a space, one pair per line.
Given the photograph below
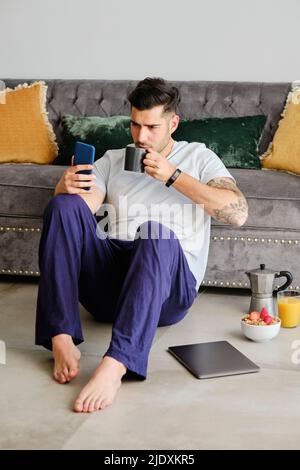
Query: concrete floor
171, 409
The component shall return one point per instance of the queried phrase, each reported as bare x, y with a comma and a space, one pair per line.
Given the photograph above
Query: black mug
134, 157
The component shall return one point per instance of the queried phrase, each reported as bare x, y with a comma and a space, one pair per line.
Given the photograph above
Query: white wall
253, 40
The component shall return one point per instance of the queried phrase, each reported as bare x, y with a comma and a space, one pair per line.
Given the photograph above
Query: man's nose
142, 137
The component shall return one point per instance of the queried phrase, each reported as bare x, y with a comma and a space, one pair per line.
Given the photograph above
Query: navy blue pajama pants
137, 285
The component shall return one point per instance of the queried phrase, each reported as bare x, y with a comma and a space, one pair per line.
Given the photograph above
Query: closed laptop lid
214, 359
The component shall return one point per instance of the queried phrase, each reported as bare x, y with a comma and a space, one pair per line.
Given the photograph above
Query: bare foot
102, 388
66, 358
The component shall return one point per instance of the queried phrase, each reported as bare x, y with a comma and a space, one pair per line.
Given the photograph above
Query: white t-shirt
133, 198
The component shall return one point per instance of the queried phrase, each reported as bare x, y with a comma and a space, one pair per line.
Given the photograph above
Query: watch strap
173, 177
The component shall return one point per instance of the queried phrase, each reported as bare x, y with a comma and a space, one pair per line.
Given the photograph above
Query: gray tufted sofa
271, 234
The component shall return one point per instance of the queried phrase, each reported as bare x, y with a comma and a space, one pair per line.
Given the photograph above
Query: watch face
176, 174
173, 177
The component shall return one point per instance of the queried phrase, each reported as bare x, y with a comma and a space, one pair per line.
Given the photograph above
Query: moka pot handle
289, 280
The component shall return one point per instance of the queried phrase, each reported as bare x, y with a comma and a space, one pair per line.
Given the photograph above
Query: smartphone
84, 154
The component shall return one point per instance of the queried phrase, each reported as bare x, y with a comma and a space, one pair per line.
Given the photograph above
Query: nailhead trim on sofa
19, 229
261, 240
23, 273
214, 238
237, 284
205, 282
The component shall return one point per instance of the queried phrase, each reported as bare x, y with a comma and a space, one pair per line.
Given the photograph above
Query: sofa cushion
105, 133
25, 132
284, 152
273, 198
2, 93
234, 139
26, 189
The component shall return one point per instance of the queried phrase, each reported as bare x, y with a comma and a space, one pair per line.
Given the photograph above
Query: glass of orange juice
288, 302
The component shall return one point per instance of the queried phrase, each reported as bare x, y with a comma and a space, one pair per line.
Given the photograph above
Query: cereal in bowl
262, 318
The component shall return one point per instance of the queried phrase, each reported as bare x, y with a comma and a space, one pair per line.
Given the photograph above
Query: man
144, 272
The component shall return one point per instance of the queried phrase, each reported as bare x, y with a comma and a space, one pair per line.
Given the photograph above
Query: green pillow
104, 133
234, 139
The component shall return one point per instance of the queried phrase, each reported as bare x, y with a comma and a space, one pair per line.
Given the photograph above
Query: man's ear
174, 122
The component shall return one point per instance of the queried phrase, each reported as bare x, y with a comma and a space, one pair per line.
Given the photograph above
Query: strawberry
268, 319
254, 316
264, 313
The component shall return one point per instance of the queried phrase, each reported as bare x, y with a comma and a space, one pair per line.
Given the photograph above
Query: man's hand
72, 183
157, 166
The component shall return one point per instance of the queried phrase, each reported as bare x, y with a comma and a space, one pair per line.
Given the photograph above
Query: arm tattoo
235, 211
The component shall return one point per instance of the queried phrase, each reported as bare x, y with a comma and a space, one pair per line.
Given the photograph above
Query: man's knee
62, 202
153, 230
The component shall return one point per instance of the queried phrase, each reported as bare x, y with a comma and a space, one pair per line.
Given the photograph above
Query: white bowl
260, 333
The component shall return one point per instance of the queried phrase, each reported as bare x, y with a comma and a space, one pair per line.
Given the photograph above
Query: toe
97, 405
61, 378
73, 373
105, 403
66, 374
78, 405
86, 404
91, 407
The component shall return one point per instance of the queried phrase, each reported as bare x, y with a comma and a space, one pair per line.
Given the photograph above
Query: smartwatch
173, 177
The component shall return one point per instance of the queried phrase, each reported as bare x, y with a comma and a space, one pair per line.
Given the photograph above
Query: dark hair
152, 92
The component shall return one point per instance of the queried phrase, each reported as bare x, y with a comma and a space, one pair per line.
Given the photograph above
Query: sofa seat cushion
26, 189
273, 198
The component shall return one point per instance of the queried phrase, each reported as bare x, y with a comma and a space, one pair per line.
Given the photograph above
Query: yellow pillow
284, 152
26, 135
2, 93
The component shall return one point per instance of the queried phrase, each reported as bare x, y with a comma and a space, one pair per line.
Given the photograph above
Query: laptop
215, 359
